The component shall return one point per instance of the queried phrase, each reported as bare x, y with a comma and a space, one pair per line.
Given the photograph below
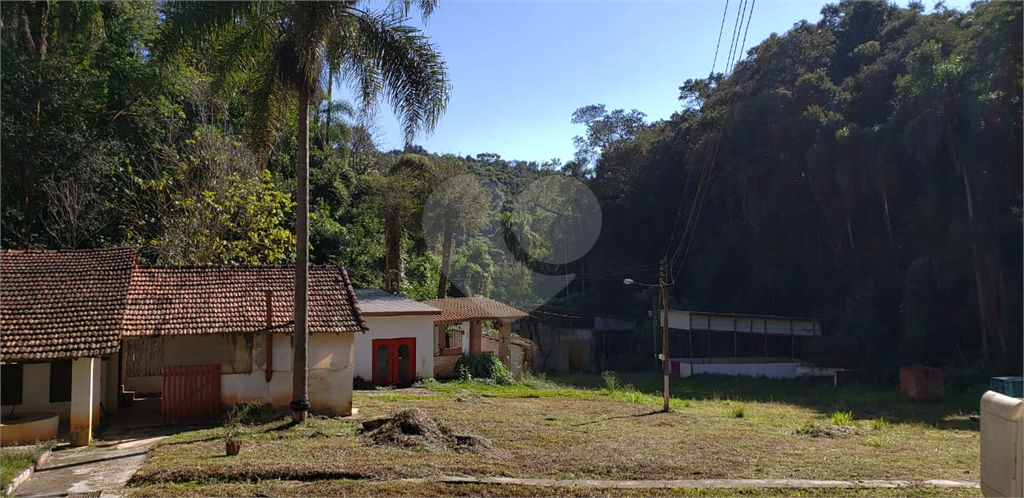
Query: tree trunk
888, 222
446, 257
849, 231
393, 256
330, 85
980, 282
300, 391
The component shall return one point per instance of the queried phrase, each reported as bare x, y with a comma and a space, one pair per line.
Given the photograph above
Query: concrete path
707, 483
103, 468
87, 471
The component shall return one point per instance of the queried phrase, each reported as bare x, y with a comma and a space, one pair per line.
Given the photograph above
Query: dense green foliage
864, 169
484, 367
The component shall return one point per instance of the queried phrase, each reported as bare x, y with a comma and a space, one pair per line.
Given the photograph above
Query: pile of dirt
827, 430
414, 429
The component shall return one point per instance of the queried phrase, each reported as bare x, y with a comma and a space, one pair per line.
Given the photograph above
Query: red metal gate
191, 393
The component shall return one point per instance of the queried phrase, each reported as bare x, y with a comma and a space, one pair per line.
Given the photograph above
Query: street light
663, 286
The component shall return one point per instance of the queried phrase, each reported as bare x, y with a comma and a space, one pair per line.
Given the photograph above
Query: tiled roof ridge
231, 267
353, 300
65, 250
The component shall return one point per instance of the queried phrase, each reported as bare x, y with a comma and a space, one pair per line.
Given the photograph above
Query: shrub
738, 412
609, 380
484, 367
842, 418
878, 423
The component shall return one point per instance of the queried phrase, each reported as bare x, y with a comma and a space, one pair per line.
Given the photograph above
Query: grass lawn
13, 461
719, 428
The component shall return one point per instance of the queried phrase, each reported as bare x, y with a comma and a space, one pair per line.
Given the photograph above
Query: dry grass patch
402, 489
562, 433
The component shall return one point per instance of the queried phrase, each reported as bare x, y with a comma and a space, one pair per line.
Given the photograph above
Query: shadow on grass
635, 415
863, 401
282, 426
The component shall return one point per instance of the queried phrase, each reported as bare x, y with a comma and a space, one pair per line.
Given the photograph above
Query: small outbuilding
205, 337
399, 346
462, 316
61, 314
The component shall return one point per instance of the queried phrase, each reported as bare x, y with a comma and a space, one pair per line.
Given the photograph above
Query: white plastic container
1002, 445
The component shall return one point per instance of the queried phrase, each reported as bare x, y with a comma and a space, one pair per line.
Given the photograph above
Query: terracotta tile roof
373, 302
232, 299
461, 309
62, 304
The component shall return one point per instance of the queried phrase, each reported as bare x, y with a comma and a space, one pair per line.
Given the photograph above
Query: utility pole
663, 287
663, 284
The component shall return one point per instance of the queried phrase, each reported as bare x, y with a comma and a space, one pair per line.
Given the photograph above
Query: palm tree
280, 50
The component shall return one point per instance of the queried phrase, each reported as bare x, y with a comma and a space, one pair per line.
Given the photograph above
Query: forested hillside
864, 168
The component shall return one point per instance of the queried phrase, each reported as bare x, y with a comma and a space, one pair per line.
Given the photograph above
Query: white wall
772, 370
396, 327
330, 362
35, 393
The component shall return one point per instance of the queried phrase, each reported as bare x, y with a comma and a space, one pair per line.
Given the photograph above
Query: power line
719, 44
735, 33
736, 53
706, 174
744, 44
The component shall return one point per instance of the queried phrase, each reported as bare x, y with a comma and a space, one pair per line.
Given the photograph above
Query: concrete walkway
87, 471
705, 483
105, 467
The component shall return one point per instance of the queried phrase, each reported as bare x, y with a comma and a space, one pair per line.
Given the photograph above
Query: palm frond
398, 61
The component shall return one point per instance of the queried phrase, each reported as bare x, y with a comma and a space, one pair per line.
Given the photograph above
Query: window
11, 383
60, 381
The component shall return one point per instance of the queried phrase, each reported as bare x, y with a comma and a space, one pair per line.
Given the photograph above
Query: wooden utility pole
663, 283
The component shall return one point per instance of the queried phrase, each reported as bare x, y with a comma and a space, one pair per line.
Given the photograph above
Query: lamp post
663, 286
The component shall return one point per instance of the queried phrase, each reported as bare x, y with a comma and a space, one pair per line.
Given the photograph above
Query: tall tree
280, 50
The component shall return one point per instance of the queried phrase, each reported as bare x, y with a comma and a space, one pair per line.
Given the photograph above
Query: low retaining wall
28, 428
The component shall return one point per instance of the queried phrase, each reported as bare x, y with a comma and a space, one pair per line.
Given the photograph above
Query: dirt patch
415, 429
827, 430
472, 400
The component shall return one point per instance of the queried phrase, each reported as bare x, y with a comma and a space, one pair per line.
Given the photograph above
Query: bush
483, 367
738, 412
610, 380
878, 423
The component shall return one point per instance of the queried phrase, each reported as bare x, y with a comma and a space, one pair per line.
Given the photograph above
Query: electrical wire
719, 44
745, 31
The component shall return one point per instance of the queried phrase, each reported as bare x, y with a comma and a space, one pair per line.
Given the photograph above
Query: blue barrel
1009, 386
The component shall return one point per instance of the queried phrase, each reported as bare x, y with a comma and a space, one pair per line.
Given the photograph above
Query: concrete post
84, 376
505, 342
475, 337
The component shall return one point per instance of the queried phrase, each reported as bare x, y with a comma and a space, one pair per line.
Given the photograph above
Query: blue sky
520, 68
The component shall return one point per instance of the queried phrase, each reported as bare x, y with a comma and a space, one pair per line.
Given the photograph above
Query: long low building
737, 344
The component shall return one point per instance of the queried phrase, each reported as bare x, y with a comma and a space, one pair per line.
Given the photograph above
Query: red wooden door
394, 361
190, 394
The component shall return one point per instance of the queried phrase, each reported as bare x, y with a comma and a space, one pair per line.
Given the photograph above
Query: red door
394, 361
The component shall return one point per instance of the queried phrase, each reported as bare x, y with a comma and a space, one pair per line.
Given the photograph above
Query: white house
399, 346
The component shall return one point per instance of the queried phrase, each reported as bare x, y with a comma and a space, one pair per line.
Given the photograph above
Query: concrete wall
330, 368
396, 327
563, 350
